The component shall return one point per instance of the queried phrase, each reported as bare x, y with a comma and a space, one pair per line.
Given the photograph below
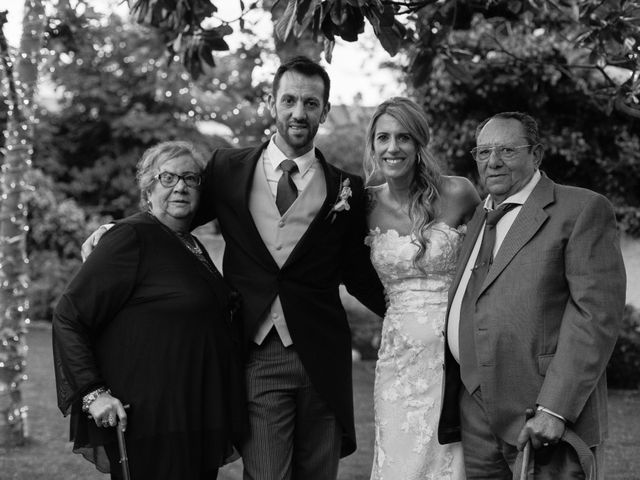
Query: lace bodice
392, 256
409, 368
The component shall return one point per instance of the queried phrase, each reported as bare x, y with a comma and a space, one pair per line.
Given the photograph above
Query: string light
19, 79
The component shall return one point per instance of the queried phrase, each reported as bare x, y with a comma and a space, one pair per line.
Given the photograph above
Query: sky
354, 69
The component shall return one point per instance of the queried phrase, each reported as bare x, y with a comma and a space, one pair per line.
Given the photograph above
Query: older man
534, 312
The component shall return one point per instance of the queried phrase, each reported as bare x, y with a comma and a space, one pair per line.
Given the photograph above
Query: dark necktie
469, 371
287, 191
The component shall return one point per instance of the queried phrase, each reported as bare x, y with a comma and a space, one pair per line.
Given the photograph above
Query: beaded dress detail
408, 379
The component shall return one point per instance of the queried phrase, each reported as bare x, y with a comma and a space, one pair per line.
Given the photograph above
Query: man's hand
91, 242
543, 430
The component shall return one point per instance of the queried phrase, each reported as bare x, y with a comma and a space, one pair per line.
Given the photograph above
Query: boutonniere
342, 202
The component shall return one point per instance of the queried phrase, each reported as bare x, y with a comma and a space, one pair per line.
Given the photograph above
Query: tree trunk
21, 85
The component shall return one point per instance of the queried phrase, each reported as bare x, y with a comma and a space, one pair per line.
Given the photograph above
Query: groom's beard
298, 134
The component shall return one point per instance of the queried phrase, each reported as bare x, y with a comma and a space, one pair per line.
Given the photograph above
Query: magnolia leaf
421, 67
303, 22
387, 18
390, 36
303, 8
206, 56
457, 71
389, 39
224, 29
328, 49
325, 25
338, 13
285, 24
217, 44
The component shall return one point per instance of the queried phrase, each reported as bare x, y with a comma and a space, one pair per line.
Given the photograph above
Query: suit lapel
244, 170
332, 180
527, 223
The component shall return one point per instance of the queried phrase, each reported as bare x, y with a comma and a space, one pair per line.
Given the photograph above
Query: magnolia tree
602, 35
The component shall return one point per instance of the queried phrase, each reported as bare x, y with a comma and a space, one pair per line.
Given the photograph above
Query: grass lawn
47, 456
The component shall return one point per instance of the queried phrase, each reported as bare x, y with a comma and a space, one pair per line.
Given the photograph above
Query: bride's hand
91, 242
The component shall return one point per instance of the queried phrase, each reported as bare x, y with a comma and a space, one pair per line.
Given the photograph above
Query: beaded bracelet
91, 397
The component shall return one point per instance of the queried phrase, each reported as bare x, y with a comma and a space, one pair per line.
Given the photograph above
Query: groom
294, 228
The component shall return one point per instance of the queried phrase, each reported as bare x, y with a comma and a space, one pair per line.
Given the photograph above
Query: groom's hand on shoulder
93, 239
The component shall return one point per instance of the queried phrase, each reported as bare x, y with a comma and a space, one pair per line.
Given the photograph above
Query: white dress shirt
273, 156
502, 228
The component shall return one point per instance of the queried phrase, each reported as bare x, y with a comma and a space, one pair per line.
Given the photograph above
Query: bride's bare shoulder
459, 198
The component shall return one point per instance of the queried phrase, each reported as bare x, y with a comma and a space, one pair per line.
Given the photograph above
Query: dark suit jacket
331, 252
547, 317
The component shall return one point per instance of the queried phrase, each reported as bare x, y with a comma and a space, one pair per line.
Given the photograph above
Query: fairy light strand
19, 73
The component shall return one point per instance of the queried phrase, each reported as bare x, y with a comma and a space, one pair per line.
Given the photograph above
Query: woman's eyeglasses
168, 179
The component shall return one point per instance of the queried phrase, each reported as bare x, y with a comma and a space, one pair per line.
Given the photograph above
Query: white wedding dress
408, 381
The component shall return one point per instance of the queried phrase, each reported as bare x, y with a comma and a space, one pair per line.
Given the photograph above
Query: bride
416, 220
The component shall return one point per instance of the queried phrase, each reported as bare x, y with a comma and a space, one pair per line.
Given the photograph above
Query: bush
49, 276
58, 226
623, 370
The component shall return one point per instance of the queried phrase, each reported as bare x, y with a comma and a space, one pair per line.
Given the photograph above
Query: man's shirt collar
275, 156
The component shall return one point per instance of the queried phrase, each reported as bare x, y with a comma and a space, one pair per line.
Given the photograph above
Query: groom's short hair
304, 66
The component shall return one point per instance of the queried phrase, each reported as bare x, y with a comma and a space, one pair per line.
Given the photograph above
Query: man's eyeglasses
505, 152
168, 179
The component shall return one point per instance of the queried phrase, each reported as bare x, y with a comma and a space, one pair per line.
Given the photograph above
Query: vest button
278, 247
281, 223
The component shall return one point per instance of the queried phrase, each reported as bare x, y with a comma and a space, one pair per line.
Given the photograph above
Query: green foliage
58, 228
343, 147
584, 145
623, 370
589, 38
602, 35
116, 99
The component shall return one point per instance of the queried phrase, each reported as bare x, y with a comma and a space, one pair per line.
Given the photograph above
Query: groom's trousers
293, 435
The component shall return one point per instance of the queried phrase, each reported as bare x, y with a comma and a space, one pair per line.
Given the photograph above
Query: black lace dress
152, 322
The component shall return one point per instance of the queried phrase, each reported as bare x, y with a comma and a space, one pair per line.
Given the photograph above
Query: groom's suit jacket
547, 316
330, 252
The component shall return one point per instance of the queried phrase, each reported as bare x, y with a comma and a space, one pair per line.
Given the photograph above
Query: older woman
147, 321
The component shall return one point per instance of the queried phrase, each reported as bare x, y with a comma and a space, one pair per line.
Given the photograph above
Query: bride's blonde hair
427, 178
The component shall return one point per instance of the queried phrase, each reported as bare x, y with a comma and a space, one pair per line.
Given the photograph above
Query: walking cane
526, 454
122, 447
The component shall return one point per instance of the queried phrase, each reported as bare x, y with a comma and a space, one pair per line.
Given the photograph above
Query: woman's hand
106, 409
